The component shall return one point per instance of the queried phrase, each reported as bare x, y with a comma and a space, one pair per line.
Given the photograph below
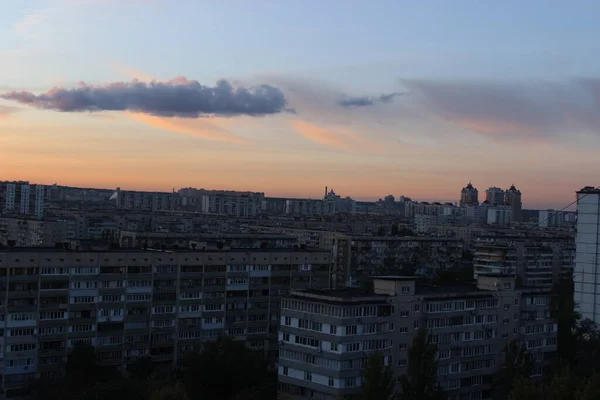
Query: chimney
325, 191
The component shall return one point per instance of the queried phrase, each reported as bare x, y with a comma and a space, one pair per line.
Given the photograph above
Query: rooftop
150, 250
589, 190
395, 277
345, 295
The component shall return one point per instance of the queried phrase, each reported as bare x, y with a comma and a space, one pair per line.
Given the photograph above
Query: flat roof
339, 296
150, 250
589, 190
396, 277
451, 289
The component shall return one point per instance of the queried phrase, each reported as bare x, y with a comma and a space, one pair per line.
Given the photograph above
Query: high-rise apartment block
494, 196
587, 258
469, 196
22, 198
148, 201
131, 303
535, 261
512, 199
327, 335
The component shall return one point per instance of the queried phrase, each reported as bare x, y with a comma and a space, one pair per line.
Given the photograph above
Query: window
334, 346
417, 307
352, 347
81, 328
404, 314
20, 317
402, 362
507, 285
308, 376
21, 332
443, 354
351, 382
351, 330
506, 307
402, 346
405, 289
333, 329
287, 321
403, 329
83, 299
53, 315
331, 382
307, 341
285, 371
416, 324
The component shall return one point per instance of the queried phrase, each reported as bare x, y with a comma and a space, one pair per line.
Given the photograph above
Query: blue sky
333, 48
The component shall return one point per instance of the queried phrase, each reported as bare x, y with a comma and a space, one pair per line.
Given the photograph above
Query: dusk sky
286, 97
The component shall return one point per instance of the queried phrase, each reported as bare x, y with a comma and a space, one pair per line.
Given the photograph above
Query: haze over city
414, 98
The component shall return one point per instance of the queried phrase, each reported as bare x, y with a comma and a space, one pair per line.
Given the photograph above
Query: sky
369, 98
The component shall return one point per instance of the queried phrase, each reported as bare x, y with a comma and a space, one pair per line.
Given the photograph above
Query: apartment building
23, 198
21, 231
360, 257
148, 201
587, 262
131, 303
327, 335
536, 261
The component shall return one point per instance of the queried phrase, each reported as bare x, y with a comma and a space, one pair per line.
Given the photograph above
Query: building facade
131, 303
23, 198
587, 260
469, 195
327, 335
536, 261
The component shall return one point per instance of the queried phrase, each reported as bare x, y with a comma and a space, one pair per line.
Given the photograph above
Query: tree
524, 389
420, 380
378, 379
563, 385
227, 368
176, 392
517, 364
590, 388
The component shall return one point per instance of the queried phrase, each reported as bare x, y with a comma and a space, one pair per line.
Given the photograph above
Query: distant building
556, 219
494, 196
23, 198
536, 261
499, 215
512, 198
469, 196
148, 201
587, 259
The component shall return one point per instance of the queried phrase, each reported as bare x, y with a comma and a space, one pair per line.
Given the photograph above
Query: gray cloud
533, 109
364, 101
178, 97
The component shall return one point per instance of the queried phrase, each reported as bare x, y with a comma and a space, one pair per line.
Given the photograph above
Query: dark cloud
179, 97
514, 110
364, 101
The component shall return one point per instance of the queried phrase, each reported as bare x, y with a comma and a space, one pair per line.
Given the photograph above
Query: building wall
133, 303
470, 325
587, 273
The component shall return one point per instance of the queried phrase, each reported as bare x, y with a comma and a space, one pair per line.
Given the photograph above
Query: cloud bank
364, 101
178, 97
506, 110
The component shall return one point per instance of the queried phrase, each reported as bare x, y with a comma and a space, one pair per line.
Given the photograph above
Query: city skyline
404, 98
